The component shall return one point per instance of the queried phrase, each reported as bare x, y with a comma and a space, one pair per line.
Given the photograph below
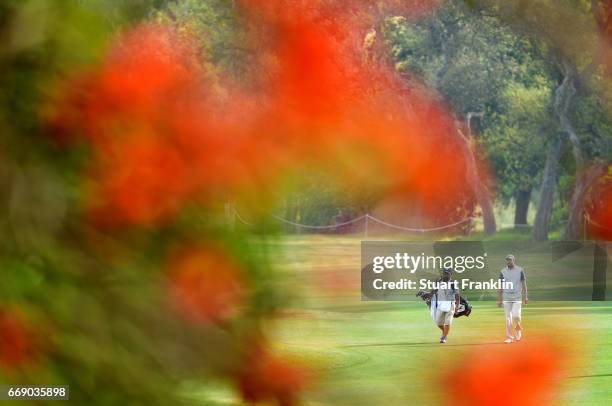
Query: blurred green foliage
104, 326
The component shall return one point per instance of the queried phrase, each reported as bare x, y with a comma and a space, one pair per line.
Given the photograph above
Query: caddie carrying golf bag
464, 309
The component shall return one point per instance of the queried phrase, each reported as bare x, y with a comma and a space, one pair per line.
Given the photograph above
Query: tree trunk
483, 197
564, 97
374, 52
574, 229
479, 188
523, 198
547, 191
488, 214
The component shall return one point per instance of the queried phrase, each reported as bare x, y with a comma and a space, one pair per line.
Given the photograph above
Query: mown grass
387, 353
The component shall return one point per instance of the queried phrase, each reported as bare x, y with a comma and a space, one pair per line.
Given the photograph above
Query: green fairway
371, 353
387, 353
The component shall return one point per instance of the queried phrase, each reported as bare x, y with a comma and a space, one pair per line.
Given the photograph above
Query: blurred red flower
156, 137
162, 136
359, 119
266, 377
141, 180
206, 283
17, 342
521, 374
147, 68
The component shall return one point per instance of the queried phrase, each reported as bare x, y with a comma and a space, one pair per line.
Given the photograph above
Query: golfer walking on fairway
512, 295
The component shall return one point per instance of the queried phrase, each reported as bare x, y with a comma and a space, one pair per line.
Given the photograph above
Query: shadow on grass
418, 344
591, 376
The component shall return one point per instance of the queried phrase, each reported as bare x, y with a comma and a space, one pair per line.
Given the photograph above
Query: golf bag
464, 309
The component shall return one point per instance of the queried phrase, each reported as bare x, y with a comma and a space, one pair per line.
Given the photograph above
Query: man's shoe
508, 341
442, 339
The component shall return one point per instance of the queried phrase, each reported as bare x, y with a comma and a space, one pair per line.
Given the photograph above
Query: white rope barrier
358, 219
420, 230
318, 227
390, 225
241, 219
